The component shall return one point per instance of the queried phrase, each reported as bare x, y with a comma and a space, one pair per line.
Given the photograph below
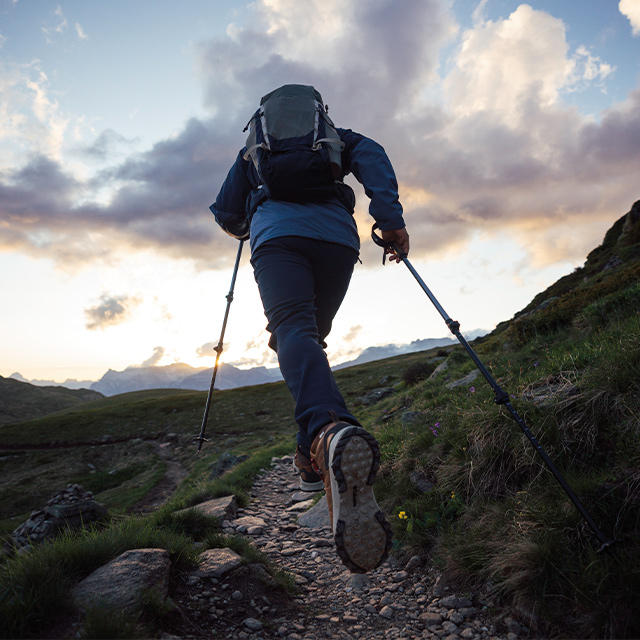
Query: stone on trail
214, 563
253, 624
300, 506
245, 523
357, 581
455, 602
301, 496
317, 517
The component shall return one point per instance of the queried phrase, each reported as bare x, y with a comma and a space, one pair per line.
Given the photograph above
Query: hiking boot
309, 479
347, 459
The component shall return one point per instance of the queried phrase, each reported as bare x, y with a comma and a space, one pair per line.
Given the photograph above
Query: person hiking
285, 192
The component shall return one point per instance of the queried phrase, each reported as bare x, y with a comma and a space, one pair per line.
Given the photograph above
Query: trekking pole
501, 397
218, 349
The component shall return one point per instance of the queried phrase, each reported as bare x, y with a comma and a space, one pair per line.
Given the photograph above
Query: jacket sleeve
229, 208
370, 165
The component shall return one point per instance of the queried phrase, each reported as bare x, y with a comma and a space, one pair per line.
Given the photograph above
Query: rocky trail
226, 599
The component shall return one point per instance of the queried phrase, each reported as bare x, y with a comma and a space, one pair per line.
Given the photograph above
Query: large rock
463, 382
120, 583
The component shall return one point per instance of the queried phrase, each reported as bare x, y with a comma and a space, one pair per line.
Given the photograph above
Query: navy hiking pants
302, 283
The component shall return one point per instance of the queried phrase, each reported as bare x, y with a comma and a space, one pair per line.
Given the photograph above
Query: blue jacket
330, 220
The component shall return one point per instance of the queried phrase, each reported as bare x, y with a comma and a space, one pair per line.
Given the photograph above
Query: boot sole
361, 532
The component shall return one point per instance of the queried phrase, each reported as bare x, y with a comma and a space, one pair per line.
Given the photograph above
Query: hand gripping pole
218, 349
501, 396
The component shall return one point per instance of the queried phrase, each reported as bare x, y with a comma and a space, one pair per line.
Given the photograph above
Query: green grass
494, 514
21, 401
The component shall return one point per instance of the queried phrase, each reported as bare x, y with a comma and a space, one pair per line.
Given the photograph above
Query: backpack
294, 145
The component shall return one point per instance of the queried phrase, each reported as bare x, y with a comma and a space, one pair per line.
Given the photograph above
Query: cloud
631, 9
105, 145
500, 64
352, 333
29, 117
159, 201
60, 24
206, 350
593, 68
80, 31
157, 355
111, 311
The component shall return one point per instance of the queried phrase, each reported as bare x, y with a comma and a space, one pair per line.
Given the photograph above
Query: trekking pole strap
386, 245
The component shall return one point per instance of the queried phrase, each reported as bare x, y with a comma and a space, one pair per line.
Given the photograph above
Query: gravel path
397, 600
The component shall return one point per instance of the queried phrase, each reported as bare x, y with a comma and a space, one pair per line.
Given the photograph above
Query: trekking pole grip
386, 245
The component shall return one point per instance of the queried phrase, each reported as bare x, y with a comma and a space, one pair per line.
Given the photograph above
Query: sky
513, 128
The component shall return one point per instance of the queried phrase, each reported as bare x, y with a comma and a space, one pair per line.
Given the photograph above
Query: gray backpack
294, 145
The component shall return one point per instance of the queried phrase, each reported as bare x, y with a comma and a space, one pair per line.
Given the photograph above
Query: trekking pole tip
606, 546
200, 440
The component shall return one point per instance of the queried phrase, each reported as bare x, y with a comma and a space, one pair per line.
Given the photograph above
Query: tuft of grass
141, 621
103, 623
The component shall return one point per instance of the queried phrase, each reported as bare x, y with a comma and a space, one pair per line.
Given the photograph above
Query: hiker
286, 193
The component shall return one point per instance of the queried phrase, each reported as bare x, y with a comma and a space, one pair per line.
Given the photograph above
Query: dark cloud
105, 145
111, 311
161, 203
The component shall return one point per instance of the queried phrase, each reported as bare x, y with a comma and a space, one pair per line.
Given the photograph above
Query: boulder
224, 508
120, 583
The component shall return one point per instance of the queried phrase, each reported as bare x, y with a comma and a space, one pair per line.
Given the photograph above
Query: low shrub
417, 372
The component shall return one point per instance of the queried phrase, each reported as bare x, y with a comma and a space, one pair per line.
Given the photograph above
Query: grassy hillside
459, 481
483, 505
23, 401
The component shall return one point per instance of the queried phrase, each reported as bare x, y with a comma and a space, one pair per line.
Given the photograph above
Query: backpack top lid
289, 112
293, 91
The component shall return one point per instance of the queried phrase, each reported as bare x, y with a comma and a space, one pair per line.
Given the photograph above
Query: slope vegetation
21, 401
465, 486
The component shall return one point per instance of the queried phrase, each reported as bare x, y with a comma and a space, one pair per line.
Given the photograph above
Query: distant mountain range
184, 376
181, 376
